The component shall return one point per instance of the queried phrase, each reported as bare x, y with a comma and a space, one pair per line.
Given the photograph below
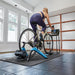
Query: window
1, 24
12, 26
24, 23
1, 13
12, 17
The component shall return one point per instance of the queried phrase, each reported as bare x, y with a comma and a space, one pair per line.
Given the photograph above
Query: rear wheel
27, 37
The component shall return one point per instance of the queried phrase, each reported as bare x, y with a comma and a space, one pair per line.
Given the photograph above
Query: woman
39, 18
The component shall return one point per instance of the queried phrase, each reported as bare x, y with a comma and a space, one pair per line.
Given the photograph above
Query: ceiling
33, 3
20, 4
62, 11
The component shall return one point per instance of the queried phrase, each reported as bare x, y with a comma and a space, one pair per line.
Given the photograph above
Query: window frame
9, 22
2, 21
23, 24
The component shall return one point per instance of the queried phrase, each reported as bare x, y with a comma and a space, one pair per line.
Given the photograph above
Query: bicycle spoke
27, 37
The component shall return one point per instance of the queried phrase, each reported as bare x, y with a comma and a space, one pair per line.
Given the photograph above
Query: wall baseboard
7, 52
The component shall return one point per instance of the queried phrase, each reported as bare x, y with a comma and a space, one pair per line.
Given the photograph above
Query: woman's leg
41, 23
34, 27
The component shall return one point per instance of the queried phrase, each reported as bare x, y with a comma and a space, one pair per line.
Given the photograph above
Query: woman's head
45, 10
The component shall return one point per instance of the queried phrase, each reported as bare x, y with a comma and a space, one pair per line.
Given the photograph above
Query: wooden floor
64, 65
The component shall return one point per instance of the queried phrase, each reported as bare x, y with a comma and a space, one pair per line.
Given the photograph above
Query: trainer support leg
39, 52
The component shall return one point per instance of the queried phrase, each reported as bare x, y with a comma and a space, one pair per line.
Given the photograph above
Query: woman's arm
48, 20
47, 16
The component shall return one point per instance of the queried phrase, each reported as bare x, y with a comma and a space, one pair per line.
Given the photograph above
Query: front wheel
48, 44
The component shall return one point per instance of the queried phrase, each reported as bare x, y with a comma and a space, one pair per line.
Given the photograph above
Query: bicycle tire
29, 30
48, 44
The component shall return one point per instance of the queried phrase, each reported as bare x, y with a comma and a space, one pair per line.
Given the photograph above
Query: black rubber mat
37, 59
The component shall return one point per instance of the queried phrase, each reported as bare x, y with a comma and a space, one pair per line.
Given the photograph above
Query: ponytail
45, 10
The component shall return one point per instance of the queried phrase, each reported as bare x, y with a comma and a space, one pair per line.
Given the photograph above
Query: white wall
54, 5
70, 35
6, 46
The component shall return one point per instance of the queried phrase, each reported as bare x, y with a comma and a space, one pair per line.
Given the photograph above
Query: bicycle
27, 38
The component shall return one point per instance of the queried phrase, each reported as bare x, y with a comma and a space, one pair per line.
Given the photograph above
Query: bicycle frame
37, 36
